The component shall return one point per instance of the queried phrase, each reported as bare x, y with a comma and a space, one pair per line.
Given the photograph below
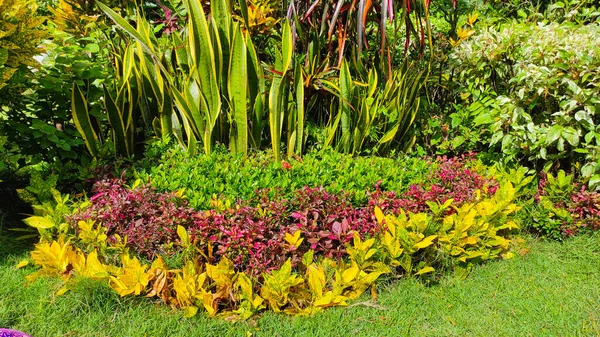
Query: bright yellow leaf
39, 222
183, 236
22, 264
425, 270
471, 240
329, 300
91, 267
379, 215
277, 286
132, 277
350, 274
426, 242
96, 237
294, 240
316, 280
55, 259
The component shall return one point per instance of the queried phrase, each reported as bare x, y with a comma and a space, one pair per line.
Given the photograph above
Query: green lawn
552, 291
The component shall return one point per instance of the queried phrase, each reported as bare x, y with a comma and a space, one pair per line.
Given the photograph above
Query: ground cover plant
223, 178
226, 178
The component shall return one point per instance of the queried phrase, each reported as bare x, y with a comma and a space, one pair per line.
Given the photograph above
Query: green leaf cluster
534, 90
227, 177
197, 86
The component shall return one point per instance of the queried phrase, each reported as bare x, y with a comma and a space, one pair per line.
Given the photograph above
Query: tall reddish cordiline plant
340, 23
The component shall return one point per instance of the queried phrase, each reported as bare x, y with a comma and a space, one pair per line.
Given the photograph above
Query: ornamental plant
475, 232
259, 239
457, 179
256, 234
564, 208
409, 244
229, 178
145, 219
534, 90
255, 238
21, 31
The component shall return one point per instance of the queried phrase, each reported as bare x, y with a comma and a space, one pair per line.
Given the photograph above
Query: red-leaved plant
253, 237
452, 179
582, 204
147, 218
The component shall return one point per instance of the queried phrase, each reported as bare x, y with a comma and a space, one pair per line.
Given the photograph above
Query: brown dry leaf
373, 293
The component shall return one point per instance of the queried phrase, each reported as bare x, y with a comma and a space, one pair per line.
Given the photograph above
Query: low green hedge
228, 177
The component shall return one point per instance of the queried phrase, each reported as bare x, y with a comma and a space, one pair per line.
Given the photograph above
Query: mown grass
551, 291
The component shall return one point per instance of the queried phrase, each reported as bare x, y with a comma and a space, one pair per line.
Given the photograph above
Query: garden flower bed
298, 256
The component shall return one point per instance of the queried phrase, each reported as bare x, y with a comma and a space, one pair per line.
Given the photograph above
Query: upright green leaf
203, 60
180, 51
220, 44
121, 22
299, 81
256, 87
220, 11
115, 119
244, 11
345, 106
275, 107
81, 118
237, 89
287, 47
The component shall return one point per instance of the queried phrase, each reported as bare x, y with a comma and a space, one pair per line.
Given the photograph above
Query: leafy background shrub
530, 94
39, 119
579, 11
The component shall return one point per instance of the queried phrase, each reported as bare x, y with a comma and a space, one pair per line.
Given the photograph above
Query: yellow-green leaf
183, 236
307, 258
351, 273
39, 222
22, 264
425, 271
91, 267
426, 242
294, 240
62, 290
190, 311
471, 240
316, 280
132, 278
379, 215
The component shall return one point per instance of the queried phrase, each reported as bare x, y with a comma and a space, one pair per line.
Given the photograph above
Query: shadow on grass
11, 246
12, 229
